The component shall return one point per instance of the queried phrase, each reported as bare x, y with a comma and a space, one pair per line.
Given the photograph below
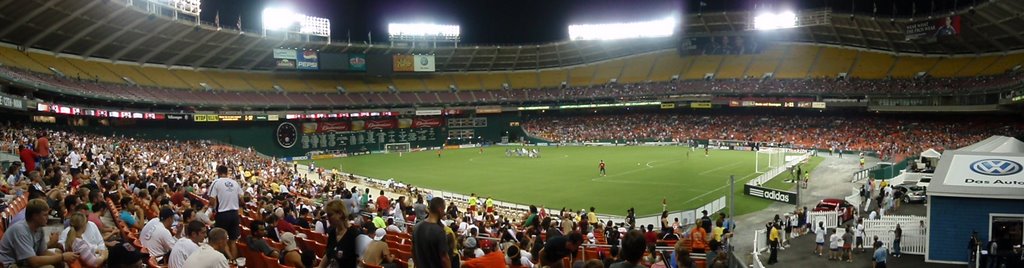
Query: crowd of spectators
125, 201
891, 137
633, 91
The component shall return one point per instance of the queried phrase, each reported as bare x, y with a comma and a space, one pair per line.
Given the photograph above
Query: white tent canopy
996, 144
931, 153
988, 169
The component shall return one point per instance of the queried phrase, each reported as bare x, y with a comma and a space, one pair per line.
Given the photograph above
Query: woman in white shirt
89, 255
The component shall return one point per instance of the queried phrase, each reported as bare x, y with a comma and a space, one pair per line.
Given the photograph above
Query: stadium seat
832, 61
702, 65
872, 65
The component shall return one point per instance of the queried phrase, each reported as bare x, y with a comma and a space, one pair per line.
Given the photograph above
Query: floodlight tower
284, 20
423, 32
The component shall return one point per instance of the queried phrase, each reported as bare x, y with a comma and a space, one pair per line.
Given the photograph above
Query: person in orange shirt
383, 204
42, 149
698, 239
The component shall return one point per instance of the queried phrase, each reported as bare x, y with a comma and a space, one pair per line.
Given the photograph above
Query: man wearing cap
210, 254
156, 235
377, 252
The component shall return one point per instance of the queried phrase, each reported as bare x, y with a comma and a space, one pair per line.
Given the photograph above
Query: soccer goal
397, 147
768, 159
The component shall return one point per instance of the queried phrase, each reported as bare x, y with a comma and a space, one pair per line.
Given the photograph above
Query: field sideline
637, 177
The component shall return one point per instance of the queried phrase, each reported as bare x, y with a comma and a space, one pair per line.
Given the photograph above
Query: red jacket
28, 157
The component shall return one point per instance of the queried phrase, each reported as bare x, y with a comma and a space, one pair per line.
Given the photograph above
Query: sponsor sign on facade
986, 171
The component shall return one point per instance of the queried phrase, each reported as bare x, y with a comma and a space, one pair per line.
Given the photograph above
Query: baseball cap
124, 253
379, 234
166, 213
470, 242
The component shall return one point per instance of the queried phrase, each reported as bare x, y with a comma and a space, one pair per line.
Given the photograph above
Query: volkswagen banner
1003, 171
770, 194
423, 63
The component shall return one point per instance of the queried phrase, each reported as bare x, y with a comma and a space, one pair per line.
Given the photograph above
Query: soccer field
568, 177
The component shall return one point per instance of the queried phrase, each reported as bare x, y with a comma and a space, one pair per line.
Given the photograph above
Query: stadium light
772, 21
284, 19
422, 30
279, 18
611, 31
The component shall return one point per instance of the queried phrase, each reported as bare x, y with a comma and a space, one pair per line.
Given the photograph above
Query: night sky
523, 21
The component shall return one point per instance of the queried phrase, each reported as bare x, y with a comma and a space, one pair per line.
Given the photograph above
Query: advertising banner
333, 127
402, 63
333, 61
700, 105
309, 61
997, 171
404, 122
358, 125
357, 62
946, 26
424, 63
427, 122
289, 54
381, 124
770, 194
285, 64
428, 112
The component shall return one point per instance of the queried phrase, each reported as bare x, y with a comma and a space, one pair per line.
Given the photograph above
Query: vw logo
996, 167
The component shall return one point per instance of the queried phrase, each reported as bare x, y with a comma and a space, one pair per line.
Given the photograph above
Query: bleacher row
785, 61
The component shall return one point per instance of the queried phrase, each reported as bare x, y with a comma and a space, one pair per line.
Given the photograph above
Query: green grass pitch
568, 177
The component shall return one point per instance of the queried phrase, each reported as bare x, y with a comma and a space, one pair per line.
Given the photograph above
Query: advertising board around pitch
770, 194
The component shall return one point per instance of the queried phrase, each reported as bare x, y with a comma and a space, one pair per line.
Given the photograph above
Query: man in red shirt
28, 157
601, 165
383, 204
43, 149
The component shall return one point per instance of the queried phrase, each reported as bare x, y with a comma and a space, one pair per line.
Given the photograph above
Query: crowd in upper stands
846, 86
124, 202
891, 137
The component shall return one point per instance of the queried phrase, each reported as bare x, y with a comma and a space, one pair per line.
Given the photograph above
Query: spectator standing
847, 245
430, 247
879, 256
898, 235
225, 196
773, 240
819, 238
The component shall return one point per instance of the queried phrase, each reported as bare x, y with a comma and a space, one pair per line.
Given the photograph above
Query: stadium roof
125, 31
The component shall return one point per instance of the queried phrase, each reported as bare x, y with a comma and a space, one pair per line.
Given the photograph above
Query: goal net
768, 159
397, 148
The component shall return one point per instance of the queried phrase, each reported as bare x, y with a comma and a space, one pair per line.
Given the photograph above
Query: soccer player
706, 150
601, 166
862, 162
438, 153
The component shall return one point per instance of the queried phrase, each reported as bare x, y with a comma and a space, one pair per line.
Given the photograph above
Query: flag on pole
239, 23
216, 20
703, 4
